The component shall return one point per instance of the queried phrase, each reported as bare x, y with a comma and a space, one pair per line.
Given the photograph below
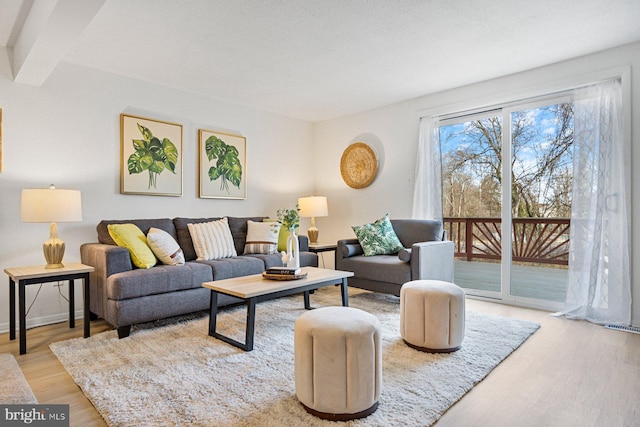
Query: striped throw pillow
212, 240
262, 237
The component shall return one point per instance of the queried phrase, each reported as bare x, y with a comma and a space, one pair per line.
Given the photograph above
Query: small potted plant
289, 218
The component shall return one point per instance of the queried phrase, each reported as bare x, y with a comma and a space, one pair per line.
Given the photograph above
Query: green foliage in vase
289, 218
228, 167
152, 155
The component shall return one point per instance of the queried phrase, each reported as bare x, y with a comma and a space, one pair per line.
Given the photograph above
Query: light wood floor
569, 373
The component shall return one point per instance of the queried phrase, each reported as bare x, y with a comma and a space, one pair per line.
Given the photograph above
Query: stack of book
284, 270
283, 273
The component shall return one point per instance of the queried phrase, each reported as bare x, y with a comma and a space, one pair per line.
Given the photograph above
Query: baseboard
44, 320
632, 329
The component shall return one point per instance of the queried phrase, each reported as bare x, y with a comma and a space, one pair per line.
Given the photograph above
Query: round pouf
338, 362
432, 315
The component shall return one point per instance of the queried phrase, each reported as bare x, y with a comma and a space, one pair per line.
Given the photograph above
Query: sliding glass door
507, 173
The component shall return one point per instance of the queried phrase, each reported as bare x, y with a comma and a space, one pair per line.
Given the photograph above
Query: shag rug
172, 373
14, 388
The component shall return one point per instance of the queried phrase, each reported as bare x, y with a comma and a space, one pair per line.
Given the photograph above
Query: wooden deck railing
535, 240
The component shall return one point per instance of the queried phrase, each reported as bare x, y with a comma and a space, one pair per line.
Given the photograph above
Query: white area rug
14, 388
175, 374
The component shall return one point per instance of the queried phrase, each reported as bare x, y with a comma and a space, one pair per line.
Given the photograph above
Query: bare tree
540, 165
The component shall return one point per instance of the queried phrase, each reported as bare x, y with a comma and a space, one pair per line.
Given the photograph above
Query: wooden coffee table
256, 288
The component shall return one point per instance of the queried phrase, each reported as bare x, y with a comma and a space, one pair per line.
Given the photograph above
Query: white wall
67, 133
393, 130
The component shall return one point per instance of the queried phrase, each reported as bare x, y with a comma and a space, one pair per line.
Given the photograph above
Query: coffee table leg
251, 322
213, 313
307, 303
345, 293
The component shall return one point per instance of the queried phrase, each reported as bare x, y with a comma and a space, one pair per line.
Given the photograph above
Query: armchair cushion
378, 238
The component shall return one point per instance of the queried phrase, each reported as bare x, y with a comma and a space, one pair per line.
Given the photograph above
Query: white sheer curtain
427, 191
599, 288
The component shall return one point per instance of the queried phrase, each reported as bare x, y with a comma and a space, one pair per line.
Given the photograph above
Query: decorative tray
284, 276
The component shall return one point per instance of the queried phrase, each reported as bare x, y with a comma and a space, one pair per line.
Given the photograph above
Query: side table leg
23, 317
86, 316
72, 305
12, 309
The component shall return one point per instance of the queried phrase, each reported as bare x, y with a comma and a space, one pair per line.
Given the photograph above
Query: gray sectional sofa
124, 295
427, 255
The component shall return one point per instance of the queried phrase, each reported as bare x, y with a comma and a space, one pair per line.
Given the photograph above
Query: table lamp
51, 205
312, 207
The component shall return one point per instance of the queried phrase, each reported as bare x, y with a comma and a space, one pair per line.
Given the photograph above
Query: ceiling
309, 59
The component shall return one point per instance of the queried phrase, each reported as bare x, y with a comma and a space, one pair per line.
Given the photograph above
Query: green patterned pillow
378, 238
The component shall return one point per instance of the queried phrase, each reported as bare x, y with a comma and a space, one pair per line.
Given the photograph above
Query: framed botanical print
151, 156
222, 165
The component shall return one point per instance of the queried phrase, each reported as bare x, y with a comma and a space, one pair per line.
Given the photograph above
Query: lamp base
312, 233
49, 266
53, 252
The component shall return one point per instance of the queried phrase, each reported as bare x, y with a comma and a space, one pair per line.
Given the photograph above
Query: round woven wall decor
358, 165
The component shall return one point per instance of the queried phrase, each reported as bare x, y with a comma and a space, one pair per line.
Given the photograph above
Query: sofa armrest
432, 261
107, 260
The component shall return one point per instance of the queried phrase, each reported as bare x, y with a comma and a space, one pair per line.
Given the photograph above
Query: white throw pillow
262, 237
212, 240
165, 247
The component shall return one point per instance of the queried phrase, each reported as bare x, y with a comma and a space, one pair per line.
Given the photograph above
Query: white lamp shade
313, 206
51, 205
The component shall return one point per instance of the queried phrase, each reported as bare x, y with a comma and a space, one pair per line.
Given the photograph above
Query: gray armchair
426, 256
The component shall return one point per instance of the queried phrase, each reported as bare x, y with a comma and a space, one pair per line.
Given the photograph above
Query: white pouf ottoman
432, 315
338, 362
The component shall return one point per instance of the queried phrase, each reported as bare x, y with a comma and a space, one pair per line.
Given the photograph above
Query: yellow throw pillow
130, 237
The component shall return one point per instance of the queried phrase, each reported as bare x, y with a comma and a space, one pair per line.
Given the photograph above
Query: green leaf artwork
228, 168
152, 155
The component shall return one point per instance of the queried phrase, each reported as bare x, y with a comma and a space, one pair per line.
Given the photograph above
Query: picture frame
151, 156
222, 165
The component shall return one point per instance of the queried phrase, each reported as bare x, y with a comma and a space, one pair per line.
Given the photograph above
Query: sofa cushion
262, 237
378, 238
165, 247
238, 227
381, 268
212, 240
130, 237
227, 268
157, 280
143, 224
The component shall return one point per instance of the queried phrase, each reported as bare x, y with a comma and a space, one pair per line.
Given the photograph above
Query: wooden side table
38, 274
317, 248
